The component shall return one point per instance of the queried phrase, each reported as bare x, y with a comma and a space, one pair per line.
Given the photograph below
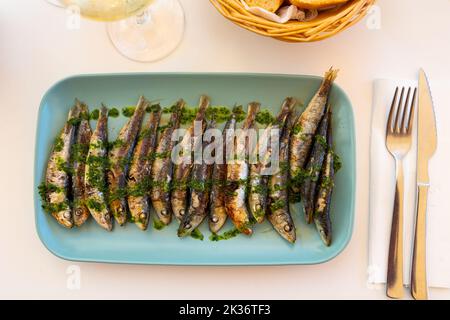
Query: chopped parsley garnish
197, 234
239, 113
95, 205
158, 225
59, 144
64, 166
277, 205
188, 115
170, 109
337, 165
79, 152
297, 129
162, 128
322, 141
226, 235
153, 108
128, 111
113, 113
74, 121
95, 114
264, 117
219, 114
327, 183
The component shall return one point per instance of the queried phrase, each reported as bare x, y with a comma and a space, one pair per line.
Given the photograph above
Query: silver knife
426, 147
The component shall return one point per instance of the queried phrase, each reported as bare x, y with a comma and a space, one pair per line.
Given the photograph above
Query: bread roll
269, 5
316, 4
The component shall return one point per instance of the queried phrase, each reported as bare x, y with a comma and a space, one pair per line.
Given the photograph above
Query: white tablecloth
36, 49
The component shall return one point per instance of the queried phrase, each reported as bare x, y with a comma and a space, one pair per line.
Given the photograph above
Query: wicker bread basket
327, 24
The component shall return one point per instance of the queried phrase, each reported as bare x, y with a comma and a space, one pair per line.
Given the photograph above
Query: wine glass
141, 30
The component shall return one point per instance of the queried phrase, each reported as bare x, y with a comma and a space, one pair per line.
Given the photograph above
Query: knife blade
426, 147
426, 134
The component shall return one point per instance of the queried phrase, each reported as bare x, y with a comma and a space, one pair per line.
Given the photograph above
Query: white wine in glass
142, 30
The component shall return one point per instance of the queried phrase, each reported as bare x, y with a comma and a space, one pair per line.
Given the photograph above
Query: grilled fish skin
79, 154
182, 171
258, 192
306, 127
200, 195
57, 175
237, 177
313, 168
278, 212
119, 157
139, 174
322, 217
95, 173
161, 173
218, 213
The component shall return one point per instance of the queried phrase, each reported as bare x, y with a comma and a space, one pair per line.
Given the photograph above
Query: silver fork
398, 142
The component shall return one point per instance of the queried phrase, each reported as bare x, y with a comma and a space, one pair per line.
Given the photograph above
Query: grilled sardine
278, 212
79, 155
258, 191
200, 187
237, 176
182, 171
57, 178
96, 186
139, 174
120, 158
305, 129
161, 173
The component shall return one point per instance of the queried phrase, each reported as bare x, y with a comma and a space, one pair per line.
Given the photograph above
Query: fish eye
143, 216
164, 212
67, 215
182, 212
287, 228
214, 219
258, 207
78, 212
187, 225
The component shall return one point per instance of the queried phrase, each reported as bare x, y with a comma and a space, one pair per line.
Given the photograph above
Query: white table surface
36, 49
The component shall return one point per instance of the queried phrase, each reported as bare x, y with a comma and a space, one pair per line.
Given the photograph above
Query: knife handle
419, 287
394, 279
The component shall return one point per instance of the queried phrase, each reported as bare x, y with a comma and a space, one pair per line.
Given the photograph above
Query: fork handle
419, 288
395, 260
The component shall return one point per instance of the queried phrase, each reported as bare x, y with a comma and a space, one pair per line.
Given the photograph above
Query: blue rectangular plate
130, 245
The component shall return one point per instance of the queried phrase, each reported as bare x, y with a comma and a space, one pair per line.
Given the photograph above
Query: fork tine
412, 111
389, 126
399, 110
403, 128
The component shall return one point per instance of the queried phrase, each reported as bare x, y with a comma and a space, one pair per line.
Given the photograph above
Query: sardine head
324, 229
106, 221
65, 218
81, 214
164, 212
186, 228
217, 219
288, 232
189, 223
